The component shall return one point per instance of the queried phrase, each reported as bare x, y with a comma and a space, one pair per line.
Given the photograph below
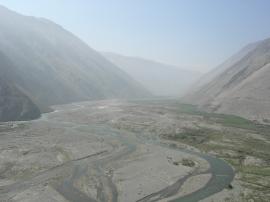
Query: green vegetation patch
194, 136
224, 119
256, 170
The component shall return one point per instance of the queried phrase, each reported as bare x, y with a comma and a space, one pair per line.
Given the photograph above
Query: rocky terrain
240, 87
245, 145
90, 152
148, 150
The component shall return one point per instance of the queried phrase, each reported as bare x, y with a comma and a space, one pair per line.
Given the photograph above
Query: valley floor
129, 151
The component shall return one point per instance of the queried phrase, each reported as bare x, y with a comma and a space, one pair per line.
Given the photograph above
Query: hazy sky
196, 34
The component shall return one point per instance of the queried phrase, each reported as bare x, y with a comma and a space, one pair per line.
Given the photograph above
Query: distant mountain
52, 66
160, 79
242, 87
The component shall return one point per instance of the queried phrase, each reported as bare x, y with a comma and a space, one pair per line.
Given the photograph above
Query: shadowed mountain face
52, 66
14, 105
160, 79
242, 88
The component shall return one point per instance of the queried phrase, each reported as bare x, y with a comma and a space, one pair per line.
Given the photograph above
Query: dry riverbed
99, 151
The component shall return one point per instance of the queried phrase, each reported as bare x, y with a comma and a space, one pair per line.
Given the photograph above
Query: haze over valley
160, 79
52, 66
80, 121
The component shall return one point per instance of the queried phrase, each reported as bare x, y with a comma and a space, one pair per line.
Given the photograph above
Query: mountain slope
160, 79
242, 89
206, 78
52, 66
14, 105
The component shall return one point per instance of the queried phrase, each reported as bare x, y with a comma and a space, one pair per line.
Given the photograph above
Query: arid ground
131, 151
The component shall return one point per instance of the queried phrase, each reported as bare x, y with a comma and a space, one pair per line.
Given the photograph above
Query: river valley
87, 152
